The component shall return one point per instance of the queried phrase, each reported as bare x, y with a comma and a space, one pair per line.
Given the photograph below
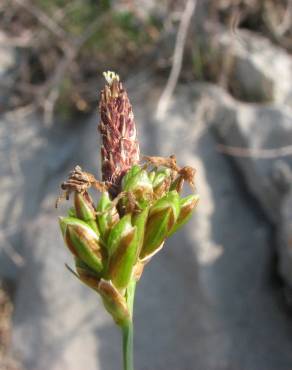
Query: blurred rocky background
210, 81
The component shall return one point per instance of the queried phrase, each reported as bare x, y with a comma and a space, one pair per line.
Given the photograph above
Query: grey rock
257, 69
144, 9
30, 155
204, 302
285, 242
8, 65
7, 56
20, 144
254, 129
284, 230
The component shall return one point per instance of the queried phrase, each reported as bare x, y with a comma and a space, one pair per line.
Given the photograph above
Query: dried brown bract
79, 181
169, 162
179, 174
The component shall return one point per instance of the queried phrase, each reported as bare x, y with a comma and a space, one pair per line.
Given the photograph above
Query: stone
19, 148
256, 69
144, 9
256, 129
285, 243
260, 132
7, 56
29, 155
8, 65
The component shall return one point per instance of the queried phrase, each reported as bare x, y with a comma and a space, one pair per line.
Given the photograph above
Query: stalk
128, 330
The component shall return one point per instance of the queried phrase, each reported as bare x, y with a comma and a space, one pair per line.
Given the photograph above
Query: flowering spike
120, 149
110, 76
139, 208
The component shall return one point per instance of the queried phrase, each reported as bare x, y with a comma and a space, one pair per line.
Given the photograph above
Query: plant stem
128, 346
128, 330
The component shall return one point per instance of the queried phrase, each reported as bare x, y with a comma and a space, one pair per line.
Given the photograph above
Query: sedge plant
139, 206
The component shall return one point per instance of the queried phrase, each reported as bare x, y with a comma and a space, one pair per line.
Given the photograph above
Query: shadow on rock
239, 281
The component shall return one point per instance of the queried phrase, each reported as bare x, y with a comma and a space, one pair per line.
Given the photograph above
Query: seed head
120, 149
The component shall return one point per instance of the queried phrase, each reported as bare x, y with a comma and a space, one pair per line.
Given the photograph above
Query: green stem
127, 330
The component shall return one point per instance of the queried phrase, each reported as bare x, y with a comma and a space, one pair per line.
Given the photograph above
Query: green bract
107, 215
122, 261
187, 206
162, 217
82, 241
84, 209
113, 240
160, 176
137, 182
119, 231
114, 302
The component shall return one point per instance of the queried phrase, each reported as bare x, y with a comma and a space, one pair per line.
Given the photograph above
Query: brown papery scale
120, 149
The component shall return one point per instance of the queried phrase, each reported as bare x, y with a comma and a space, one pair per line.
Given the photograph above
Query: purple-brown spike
120, 149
